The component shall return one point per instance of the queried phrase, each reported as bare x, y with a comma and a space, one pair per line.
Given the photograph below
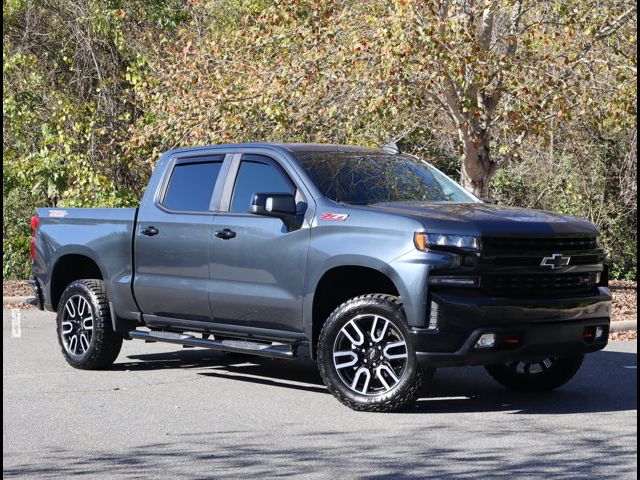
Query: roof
326, 147
290, 147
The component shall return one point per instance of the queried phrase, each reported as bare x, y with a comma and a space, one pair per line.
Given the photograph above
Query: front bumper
524, 328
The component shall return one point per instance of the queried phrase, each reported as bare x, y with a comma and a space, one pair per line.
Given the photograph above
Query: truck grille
527, 261
537, 245
528, 285
512, 266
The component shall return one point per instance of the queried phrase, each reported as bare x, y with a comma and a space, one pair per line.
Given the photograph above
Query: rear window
191, 186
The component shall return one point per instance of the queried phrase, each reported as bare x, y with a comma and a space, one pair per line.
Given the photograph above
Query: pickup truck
369, 261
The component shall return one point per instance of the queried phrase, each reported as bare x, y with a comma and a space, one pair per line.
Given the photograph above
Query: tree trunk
477, 166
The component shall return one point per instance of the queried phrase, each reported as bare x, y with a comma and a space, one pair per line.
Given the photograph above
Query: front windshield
363, 178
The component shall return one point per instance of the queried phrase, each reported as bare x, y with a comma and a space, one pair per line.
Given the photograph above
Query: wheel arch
342, 280
69, 267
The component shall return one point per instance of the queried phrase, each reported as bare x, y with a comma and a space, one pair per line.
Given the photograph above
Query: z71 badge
334, 217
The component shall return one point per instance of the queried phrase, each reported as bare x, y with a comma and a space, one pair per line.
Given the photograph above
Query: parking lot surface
163, 411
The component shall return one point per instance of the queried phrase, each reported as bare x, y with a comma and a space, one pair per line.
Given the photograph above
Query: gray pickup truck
371, 262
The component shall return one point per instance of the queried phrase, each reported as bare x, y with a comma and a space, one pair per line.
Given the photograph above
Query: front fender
411, 300
409, 274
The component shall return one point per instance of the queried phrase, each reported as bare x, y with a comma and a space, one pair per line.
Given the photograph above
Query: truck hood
486, 219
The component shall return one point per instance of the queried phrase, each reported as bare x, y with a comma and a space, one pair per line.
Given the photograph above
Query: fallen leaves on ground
16, 288
19, 306
624, 336
625, 300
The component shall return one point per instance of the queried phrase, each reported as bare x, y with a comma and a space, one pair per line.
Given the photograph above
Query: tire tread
393, 402
106, 343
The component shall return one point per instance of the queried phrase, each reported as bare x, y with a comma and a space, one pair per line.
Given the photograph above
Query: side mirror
488, 200
279, 205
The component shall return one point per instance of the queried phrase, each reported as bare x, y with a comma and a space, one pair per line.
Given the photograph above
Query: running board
235, 346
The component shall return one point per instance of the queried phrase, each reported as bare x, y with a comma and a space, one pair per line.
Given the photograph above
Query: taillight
35, 223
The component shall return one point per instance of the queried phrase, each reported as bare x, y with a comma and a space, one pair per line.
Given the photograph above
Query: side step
235, 346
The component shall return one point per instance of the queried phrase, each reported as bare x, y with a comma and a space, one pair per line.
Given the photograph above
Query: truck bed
105, 235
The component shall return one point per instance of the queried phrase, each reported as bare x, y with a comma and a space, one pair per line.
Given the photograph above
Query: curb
623, 325
14, 300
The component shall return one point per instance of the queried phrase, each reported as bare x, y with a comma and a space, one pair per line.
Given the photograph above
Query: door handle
150, 231
226, 234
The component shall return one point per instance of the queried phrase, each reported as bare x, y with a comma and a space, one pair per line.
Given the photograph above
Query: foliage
536, 99
69, 69
484, 72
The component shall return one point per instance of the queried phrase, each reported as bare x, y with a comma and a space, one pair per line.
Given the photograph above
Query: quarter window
191, 186
258, 174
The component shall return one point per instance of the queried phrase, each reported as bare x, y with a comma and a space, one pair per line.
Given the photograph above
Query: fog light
488, 340
599, 333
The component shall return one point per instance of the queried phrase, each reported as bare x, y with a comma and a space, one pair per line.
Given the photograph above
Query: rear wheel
545, 374
85, 331
365, 355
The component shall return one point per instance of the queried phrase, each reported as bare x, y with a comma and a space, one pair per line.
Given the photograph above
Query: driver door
257, 263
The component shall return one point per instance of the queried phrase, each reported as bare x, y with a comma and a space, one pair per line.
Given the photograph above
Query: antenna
391, 148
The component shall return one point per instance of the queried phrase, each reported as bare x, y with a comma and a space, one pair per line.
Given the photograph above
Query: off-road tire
410, 385
105, 344
561, 371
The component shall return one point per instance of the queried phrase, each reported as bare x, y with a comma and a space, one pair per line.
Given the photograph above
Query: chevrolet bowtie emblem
557, 260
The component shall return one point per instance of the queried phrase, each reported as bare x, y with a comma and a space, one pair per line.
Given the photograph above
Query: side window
258, 174
191, 186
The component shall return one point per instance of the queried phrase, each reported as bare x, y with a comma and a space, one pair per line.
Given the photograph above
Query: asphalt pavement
164, 412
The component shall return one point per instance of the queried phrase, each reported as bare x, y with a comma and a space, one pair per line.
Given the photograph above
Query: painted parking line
16, 328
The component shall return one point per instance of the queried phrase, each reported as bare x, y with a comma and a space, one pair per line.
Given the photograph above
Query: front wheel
85, 332
544, 374
365, 356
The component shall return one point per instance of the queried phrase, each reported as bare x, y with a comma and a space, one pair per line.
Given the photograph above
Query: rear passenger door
257, 275
172, 241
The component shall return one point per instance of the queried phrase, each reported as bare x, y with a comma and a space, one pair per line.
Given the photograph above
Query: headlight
441, 241
599, 242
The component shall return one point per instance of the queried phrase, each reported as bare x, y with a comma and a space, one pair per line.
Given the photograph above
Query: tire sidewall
79, 288
369, 305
